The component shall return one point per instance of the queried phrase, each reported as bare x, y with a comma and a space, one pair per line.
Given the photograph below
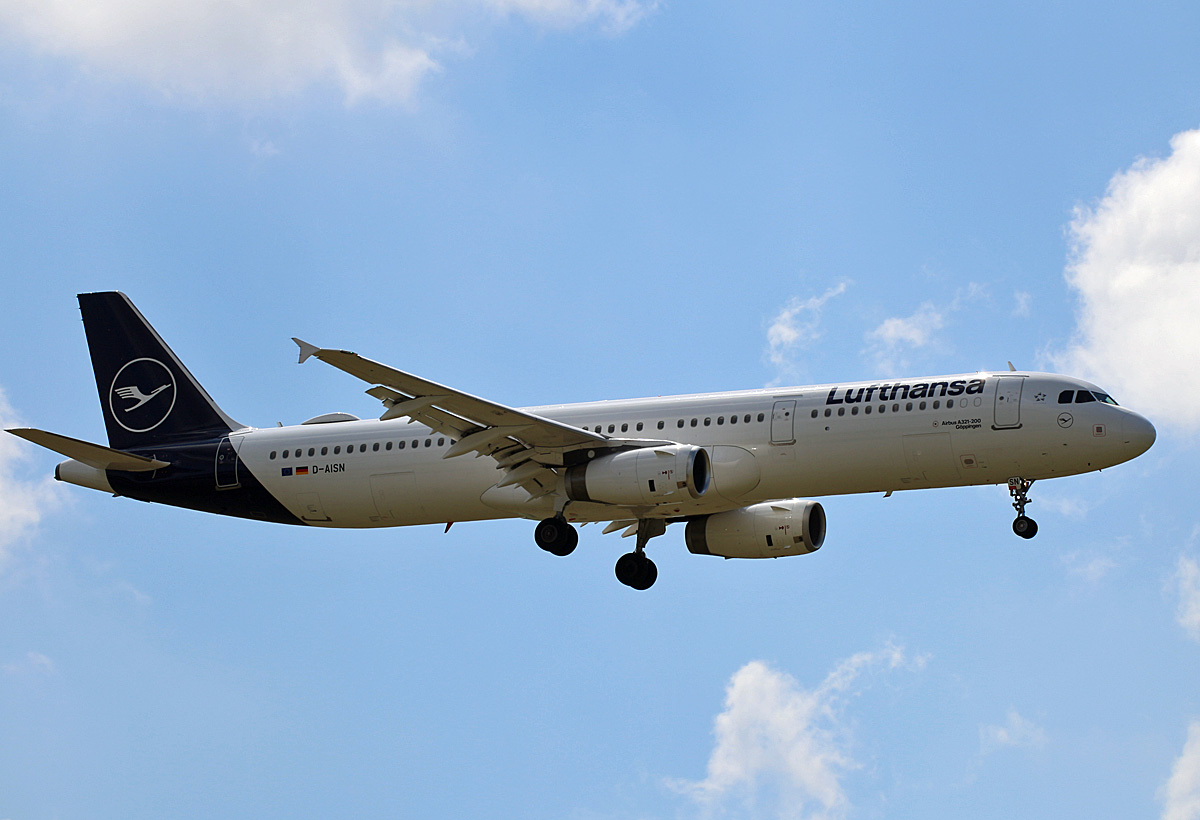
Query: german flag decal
301, 471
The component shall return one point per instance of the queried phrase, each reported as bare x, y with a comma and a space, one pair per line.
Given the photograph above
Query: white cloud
1187, 583
1181, 794
1090, 568
263, 149
257, 49
778, 743
22, 502
34, 663
1135, 267
797, 325
1021, 304
894, 338
1016, 732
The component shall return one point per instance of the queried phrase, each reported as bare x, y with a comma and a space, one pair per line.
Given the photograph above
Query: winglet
306, 350
1011, 369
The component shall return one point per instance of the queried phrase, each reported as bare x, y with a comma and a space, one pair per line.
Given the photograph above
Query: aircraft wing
525, 445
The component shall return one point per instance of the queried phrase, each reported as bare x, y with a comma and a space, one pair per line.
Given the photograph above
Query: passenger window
272, 455
867, 409
908, 406
936, 405
828, 412
639, 427
285, 453
708, 422
841, 411
428, 442
694, 422
661, 424
1065, 396
1083, 397
720, 420
922, 405
324, 451
761, 416
312, 451
375, 447
441, 442
814, 414
625, 427
883, 408
362, 448
387, 446
854, 410
612, 428
733, 419
399, 445
746, 419
679, 423
337, 449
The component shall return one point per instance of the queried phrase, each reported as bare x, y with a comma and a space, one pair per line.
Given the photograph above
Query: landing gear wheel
1018, 488
635, 570
556, 536
1025, 527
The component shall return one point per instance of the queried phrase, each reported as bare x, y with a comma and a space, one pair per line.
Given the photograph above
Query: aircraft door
227, 463
783, 418
1008, 402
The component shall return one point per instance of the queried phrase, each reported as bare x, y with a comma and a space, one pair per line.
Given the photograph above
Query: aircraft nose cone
1139, 433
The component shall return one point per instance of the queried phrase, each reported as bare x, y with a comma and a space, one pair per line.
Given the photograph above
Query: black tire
1025, 527
568, 543
636, 571
556, 536
628, 568
647, 575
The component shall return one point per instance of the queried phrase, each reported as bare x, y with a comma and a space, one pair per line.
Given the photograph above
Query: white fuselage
899, 434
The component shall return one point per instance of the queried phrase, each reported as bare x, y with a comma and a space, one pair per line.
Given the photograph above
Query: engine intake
646, 476
768, 530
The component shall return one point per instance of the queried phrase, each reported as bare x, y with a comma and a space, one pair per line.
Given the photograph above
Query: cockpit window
1104, 397
1084, 396
1066, 397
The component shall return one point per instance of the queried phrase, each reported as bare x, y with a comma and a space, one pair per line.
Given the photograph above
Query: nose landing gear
1023, 526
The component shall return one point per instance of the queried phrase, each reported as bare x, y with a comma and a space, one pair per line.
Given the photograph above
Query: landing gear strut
634, 569
556, 536
1023, 526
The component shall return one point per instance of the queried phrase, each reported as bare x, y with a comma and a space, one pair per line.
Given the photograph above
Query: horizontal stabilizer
93, 455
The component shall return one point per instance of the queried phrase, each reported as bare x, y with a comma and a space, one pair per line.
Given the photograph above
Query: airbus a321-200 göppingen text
736, 468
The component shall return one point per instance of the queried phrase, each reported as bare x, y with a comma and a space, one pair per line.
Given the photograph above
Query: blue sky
556, 200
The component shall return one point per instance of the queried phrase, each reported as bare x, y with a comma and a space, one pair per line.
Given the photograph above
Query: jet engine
768, 530
646, 476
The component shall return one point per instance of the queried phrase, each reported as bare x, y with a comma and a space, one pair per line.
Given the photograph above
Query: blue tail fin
148, 397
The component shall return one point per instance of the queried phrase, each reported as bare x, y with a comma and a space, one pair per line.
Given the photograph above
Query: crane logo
142, 395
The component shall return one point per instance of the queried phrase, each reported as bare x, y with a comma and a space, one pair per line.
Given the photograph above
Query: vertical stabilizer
148, 397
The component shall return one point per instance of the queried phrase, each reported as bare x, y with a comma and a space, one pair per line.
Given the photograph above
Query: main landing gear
556, 536
1023, 526
634, 569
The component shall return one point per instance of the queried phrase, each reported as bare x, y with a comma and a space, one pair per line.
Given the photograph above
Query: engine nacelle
768, 530
646, 476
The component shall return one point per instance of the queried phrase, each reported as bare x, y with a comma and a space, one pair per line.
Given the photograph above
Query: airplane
738, 469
